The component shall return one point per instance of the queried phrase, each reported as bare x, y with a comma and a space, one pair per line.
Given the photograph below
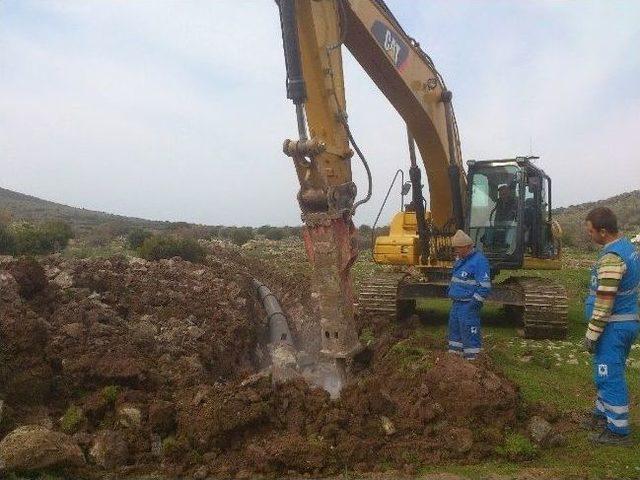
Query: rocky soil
127, 366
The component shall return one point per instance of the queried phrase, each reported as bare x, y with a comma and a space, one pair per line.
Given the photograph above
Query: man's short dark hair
603, 217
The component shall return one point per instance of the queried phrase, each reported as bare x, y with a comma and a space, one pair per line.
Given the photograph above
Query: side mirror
406, 187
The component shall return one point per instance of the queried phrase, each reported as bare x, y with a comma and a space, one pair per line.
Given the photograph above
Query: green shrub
271, 233
517, 447
26, 239
110, 393
568, 239
49, 237
71, 420
190, 249
57, 234
136, 237
163, 246
169, 445
7, 241
241, 235
274, 233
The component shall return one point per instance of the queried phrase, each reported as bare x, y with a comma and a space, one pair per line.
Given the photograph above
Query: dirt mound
437, 409
146, 364
29, 275
133, 324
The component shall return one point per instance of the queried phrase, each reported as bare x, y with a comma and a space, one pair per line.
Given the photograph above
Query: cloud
552, 79
177, 110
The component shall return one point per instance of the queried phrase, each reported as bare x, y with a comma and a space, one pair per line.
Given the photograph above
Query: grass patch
110, 393
517, 448
169, 445
408, 356
71, 420
557, 373
366, 336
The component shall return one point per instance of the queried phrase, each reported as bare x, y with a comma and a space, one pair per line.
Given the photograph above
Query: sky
176, 109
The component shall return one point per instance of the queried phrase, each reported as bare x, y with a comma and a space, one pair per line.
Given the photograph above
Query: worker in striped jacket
612, 312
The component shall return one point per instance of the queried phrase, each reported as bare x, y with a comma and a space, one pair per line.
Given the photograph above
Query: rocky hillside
27, 207
34, 209
626, 206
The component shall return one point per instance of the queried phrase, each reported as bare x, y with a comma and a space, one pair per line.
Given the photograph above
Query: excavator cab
509, 214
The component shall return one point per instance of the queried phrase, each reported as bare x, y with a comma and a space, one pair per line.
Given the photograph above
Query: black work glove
589, 345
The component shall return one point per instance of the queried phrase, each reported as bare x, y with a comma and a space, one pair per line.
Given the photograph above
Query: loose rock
33, 447
109, 450
539, 429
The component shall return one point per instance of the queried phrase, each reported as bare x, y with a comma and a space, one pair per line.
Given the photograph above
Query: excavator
504, 204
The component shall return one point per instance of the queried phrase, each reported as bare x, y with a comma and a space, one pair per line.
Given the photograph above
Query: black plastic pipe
278, 325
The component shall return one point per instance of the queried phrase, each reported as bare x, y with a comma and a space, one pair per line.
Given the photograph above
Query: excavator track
542, 304
378, 296
545, 306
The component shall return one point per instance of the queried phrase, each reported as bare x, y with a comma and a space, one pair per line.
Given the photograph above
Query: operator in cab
470, 285
611, 309
506, 205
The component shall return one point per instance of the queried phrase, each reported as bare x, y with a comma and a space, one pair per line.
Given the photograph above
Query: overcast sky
176, 110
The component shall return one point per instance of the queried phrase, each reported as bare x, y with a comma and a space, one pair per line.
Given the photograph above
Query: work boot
607, 437
593, 422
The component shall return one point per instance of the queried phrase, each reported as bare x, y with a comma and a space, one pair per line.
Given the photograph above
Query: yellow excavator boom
314, 32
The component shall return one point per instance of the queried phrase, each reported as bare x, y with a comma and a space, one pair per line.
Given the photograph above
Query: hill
626, 206
30, 208
34, 209
99, 228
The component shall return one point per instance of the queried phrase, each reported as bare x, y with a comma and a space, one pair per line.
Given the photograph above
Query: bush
271, 233
568, 239
169, 444
110, 393
163, 246
7, 241
57, 234
136, 237
364, 229
28, 239
103, 234
241, 235
189, 249
71, 420
275, 234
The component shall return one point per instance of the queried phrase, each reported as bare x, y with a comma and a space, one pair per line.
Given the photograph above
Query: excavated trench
170, 361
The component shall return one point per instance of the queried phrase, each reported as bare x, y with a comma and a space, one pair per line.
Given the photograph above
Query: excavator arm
314, 32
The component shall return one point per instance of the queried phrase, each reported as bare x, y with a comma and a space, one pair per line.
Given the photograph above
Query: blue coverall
614, 344
469, 287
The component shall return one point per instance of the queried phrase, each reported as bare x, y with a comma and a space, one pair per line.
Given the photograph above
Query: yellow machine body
401, 246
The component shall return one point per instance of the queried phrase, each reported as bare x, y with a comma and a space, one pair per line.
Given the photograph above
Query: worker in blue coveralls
611, 309
469, 287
